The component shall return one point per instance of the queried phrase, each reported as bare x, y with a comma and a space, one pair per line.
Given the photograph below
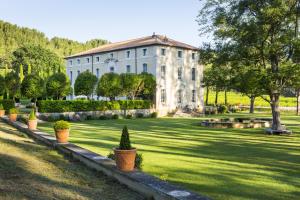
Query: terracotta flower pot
13, 117
32, 124
62, 135
2, 113
125, 159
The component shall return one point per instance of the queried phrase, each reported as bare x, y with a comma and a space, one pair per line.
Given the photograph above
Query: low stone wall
237, 123
149, 186
77, 116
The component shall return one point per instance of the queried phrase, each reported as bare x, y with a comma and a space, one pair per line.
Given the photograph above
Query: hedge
7, 104
58, 106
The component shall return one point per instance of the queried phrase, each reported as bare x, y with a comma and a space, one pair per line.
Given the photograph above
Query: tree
85, 84
21, 73
2, 85
12, 82
32, 87
131, 85
58, 86
110, 86
261, 35
149, 86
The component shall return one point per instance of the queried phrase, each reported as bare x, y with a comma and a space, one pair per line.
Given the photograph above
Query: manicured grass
32, 171
234, 98
219, 163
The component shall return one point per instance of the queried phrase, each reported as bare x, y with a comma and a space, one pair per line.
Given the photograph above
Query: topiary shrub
32, 115
138, 163
1, 106
125, 143
103, 117
139, 115
13, 111
153, 115
222, 109
115, 116
129, 116
61, 125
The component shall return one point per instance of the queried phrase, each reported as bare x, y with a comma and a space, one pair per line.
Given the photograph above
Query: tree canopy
58, 86
85, 84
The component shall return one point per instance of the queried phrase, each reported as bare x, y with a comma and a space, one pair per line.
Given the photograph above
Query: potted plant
2, 111
125, 154
32, 121
13, 114
61, 129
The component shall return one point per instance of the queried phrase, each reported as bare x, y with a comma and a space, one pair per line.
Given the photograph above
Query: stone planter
2, 113
13, 117
32, 124
62, 135
125, 159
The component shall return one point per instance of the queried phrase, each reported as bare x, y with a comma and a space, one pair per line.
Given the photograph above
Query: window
180, 73
193, 74
163, 72
193, 95
71, 62
78, 61
128, 54
163, 52
88, 60
144, 52
111, 55
97, 59
128, 68
193, 56
71, 77
179, 54
112, 69
145, 67
179, 97
97, 72
163, 96
78, 72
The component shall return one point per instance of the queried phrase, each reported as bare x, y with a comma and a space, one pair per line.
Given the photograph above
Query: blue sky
114, 20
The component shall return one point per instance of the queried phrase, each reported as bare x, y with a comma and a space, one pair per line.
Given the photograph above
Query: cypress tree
125, 143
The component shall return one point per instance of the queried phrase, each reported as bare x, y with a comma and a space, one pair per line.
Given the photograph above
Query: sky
113, 20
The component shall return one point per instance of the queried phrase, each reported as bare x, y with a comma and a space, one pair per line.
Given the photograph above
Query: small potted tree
125, 154
61, 129
32, 121
2, 111
13, 114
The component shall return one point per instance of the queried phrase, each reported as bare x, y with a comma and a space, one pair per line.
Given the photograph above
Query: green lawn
32, 171
219, 163
236, 98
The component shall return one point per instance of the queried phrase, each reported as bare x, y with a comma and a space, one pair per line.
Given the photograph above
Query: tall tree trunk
216, 98
298, 102
252, 100
225, 97
276, 125
207, 93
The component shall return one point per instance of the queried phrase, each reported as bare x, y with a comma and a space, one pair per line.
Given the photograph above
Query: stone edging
147, 185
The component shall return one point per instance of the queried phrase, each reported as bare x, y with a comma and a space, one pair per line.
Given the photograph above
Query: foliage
154, 115
125, 143
2, 85
222, 109
53, 106
58, 86
32, 115
132, 84
7, 103
61, 125
12, 84
138, 163
115, 116
149, 85
1, 106
109, 85
32, 86
13, 111
85, 84
139, 115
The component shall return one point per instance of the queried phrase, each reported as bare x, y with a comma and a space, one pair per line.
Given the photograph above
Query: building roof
139, 42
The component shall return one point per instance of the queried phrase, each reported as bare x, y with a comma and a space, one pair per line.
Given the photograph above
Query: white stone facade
178, 75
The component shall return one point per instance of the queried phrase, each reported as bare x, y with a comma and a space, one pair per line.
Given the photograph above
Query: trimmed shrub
125, 143
103, 117
32, 115
58, 106
60, 125
115, 116
13, 111
1, 106
7, 104
222, 109
139, 115
129, 116
153, 115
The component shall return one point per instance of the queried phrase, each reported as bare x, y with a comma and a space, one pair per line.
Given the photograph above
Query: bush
60, 125
153, 115
13, 111
129, 116
115, 116
138, 160
125, 143
139, 115
103, 117
7, 104
58, 106
32, 115
1, 106
222, 109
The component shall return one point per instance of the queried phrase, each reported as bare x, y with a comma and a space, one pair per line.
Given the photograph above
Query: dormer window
144, 52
